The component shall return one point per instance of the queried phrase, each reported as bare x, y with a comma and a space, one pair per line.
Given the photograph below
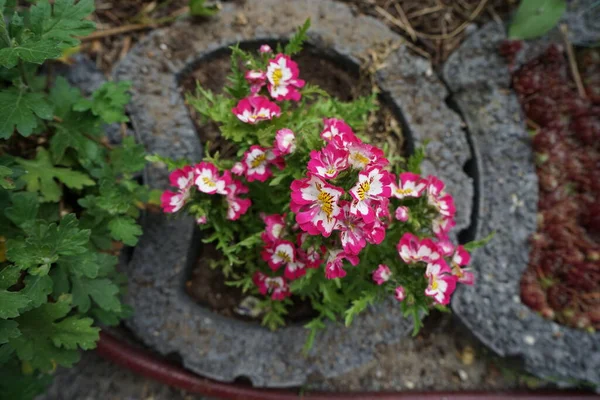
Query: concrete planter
507, 196
165, 317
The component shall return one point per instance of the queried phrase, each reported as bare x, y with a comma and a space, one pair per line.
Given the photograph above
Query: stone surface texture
166, 318
507, 195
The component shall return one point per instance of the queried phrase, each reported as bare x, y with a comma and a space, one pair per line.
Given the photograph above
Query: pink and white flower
373, 185
294, 270
275, 224
382, 274
441, 281
315, 203
256, 79
409, 185
335, 260
265, 48
238, 169
282, 74
182, 178
400, 293
442, 225
282, 253
254, 109
208, 180
285, 142
236, 206
460, 259
362, 155
338, 128
401, 213
256, 163
328, 162
436, 197
411, 249
312, 257
172, 202
353, 230
277, 286
201, 220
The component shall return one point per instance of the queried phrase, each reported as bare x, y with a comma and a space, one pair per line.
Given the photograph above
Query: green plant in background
67, 198
536, 17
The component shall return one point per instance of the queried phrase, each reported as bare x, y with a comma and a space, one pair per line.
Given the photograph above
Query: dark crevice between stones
472, 168
243, 380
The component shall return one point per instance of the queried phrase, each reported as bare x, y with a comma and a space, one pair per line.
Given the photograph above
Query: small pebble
530, 340
163, 47
409, 385
462, 374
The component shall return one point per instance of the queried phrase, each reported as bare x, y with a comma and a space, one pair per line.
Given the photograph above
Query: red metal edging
150, 366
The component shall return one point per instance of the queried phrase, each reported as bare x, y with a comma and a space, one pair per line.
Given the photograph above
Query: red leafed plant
563, 278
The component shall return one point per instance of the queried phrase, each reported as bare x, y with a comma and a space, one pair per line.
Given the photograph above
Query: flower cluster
282, 81
205, 178
326, 211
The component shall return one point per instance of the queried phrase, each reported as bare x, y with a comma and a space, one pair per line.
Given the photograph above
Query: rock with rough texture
165, 317
507, 194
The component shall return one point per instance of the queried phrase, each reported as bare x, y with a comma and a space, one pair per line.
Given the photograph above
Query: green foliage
296, 43
536, 17
479, 243
198, 8
62, 204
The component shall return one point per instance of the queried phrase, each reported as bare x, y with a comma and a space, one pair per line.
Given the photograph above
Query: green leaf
479, 243
8, 329
85, 264
103, 291
9, 275
358, 306
536, 17
33, 51
49, 339
198, 8
125, 229
41, 175
24, 208
11, 303
170, 163
297, 41
47, 242
21, 109
62, 23
15, 385
128, 158
108, 102
73, 332
37, 288
6, 181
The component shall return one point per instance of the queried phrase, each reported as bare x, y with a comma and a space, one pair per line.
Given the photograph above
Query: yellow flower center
277, 75
258, 160
457, 271
330, 171
208, 182
403, 192
326, 201
363, 189
434, 285
284, 256
360, 159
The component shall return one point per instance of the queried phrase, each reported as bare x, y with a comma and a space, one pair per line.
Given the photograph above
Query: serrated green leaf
108, 102
170, 163
33, 51
112, 318
9, 275
8, 329
21, 109
536, 17
128, 158
11, 303
62, 23
41, 175
85, 264
15, 385
38, 328
125, 229
6, 181
73, 332
24, 208
102, 291
296, 42
45, 243
37, 289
